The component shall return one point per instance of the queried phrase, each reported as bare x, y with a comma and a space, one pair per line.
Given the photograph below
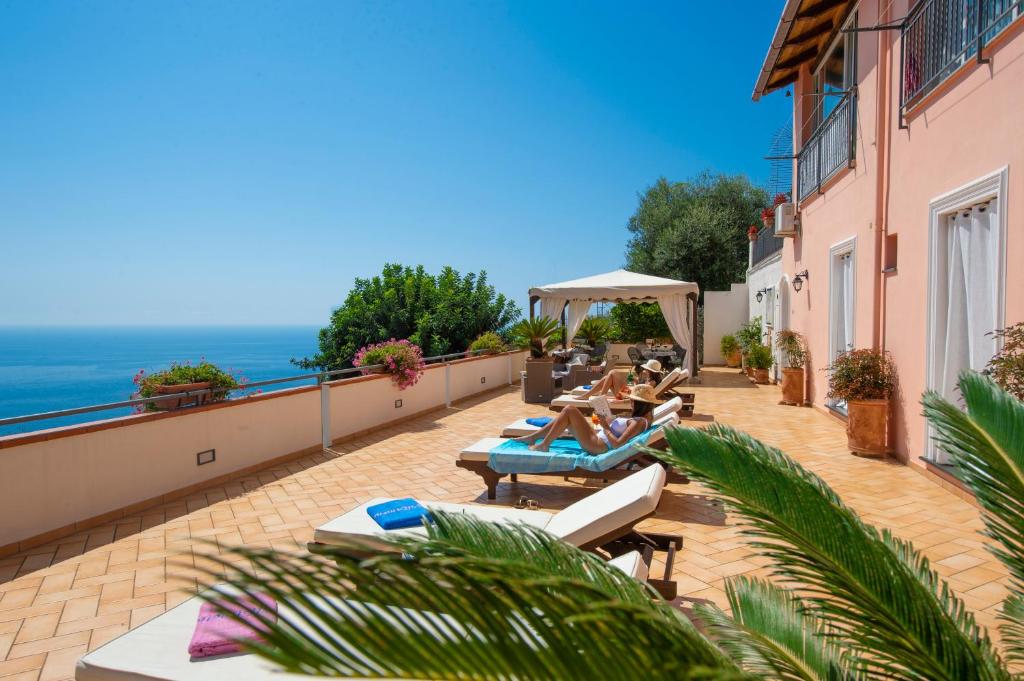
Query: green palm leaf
878, 593
769, 634
987, 446
439, 608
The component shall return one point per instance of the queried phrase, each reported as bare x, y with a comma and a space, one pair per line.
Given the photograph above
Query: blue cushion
540, 421
400, 513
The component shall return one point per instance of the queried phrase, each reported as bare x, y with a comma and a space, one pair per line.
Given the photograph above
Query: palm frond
472, 600
768, 634
987, 445
878, 593
1012, 629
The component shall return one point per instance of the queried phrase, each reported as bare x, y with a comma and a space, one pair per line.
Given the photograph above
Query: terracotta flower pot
867, 430
749, 370
179, 402
733, 360
793, 386
761, 376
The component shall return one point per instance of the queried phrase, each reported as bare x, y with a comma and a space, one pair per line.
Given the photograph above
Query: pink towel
217, 633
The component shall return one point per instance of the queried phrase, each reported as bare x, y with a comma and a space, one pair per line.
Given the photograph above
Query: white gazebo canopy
677, 299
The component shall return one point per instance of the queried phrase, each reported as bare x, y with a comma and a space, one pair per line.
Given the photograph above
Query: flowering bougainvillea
400, 358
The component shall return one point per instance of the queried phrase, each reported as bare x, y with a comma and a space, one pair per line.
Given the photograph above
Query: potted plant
185, 377
400, 358
748, 335
768, 214
1006, 367
730, 348
794, 357
752, 230
536, 335
593, 330
760, 360
864, 379
488, 343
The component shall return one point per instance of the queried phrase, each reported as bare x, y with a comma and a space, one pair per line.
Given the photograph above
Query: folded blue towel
588, 386
400, 513
540, 421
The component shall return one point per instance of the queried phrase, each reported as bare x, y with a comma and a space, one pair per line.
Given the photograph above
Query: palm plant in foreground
847, 601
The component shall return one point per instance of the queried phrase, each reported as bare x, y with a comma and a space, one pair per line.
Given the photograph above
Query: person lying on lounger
612, 433
614, 383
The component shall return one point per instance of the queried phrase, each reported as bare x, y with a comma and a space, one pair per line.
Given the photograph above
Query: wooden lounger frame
614, 543
642, 459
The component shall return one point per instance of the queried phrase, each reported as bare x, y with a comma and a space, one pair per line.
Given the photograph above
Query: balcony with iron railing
940, 36
764, 246
829, 149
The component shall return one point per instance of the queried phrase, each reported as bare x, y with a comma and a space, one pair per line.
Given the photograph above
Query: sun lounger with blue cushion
492, 458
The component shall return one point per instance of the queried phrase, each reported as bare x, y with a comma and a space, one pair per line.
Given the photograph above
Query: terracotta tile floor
60, 600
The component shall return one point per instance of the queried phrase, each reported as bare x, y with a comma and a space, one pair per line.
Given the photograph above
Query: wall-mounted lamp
760, 294
798, 280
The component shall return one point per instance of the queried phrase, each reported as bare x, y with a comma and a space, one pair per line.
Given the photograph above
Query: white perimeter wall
724, 312
87, 471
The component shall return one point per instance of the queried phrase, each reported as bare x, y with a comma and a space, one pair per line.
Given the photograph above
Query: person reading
612, 433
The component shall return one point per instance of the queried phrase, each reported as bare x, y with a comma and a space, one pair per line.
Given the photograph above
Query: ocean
49, 369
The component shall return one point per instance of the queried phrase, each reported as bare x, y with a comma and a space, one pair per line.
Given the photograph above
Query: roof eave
781, 33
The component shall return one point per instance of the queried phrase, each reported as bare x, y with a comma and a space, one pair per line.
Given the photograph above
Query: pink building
908, 183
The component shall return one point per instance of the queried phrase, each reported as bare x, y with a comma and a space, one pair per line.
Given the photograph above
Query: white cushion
666, 408
158, 650
357, 523
564, 401
617, 506
632, 564
667, 382
481, 449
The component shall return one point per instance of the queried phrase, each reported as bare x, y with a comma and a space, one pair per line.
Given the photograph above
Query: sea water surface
49, 369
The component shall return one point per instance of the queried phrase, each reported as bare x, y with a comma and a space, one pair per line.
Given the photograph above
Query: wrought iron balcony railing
765, 245
940, 36
829, 149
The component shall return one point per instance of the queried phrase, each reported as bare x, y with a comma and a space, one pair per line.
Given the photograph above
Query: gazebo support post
564, 334
691, 304
533, 301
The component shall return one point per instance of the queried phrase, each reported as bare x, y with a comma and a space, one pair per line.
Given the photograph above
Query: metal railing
765, 245
830, 148
940, 36
324, 378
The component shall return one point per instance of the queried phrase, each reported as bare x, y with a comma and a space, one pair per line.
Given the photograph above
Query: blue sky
242, 162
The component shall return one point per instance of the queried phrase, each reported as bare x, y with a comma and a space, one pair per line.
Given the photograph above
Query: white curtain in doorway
578, 310
843, 314
970, 302
970, 299
675, 309
552, 307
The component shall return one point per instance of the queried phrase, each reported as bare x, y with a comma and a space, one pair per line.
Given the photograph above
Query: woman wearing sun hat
614, 383
612, 434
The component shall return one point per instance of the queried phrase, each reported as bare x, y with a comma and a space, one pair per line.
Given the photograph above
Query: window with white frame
966, 285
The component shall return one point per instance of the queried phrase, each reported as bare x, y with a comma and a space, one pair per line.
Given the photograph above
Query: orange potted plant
794, 353
180, 378
730, 351
865, 380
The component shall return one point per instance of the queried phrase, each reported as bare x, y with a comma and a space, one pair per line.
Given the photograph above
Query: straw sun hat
652, 365
644, 393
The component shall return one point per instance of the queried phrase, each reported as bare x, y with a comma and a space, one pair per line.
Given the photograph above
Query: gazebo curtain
552, 307
674, 309
578, 310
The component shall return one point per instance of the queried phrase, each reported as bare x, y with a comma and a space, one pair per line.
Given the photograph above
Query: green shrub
749, 334
1007, 366
488, 343
221, 382
728, 346
636, 322
594, 330
536, 335
861, 375
759, 356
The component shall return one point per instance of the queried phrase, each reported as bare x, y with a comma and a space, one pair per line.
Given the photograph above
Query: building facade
908, 183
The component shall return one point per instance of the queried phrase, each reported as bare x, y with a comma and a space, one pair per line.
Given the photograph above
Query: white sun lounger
521, 427
671, 378
158, 650
604, 520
